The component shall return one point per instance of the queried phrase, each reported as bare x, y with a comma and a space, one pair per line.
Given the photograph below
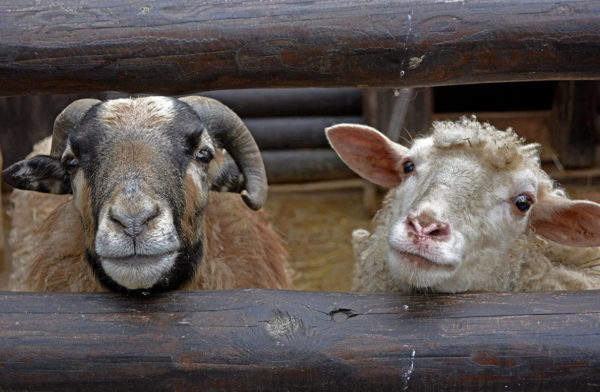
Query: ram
469, 209
136, 212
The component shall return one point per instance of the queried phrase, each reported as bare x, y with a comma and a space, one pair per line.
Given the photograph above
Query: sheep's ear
368, 153
568, 222
42, 173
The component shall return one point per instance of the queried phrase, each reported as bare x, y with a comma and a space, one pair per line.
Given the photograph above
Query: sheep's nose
133, 223
426, 227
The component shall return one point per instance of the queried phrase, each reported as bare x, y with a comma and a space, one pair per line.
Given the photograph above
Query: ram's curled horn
66, 121
231, 133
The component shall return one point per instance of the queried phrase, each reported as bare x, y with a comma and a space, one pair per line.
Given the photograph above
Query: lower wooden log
280, 133
304, 166
276, 340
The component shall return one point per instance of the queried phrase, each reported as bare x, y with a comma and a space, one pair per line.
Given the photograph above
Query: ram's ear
568, 222
368, 152
42, 173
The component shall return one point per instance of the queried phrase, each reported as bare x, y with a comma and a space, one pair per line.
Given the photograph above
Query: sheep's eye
408, 167
523, 203
204, 155
71, 165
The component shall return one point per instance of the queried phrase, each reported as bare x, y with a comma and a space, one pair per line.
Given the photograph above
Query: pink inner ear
568, 222
368, 153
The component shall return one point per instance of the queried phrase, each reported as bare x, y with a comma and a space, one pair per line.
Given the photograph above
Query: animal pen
296, 340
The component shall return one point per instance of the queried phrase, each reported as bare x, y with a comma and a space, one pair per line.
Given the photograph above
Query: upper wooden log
175, 47
267, 340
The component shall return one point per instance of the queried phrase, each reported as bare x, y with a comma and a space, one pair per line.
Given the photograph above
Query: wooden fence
176, 47
275, 340
256, 340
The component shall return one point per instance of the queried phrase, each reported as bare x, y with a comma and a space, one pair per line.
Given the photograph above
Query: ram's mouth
423, 263
139, 260
138, 272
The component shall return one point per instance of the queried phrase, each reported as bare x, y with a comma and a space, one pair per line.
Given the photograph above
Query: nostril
119, 218
413, 224
147, 215
437, 231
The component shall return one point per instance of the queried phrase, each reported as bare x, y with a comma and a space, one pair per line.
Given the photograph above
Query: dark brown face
140, 171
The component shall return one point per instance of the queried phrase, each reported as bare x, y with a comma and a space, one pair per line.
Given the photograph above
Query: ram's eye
71, 165
523, 203
204, 155
408, 167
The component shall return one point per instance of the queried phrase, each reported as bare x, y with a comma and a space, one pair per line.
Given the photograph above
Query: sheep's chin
419, 271
138, 272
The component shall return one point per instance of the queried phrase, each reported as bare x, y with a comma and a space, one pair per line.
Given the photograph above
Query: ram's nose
134, 222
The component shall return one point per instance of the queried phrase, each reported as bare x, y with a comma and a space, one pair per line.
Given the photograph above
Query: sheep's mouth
422, 262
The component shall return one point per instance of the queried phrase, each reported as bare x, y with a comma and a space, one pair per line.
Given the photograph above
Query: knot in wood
283, 324
340, 315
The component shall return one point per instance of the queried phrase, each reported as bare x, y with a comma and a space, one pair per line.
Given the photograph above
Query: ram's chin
418, 271
138, 272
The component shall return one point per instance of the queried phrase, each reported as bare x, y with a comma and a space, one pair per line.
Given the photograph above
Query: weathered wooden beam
276, 340
171, 47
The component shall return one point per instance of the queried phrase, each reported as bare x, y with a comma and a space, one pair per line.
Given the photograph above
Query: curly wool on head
502, 149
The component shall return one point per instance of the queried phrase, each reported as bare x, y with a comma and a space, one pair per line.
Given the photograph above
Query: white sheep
469, 209
141, 216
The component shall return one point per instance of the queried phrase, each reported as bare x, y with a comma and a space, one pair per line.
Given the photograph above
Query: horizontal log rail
171, 47
284, 340
317, 164
287, 133
295, 102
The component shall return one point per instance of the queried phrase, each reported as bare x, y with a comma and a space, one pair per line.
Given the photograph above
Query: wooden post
401, 114
3, 264
575, 129
277, 340
170, 47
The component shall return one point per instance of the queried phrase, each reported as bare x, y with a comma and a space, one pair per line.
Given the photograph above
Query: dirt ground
317, 227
